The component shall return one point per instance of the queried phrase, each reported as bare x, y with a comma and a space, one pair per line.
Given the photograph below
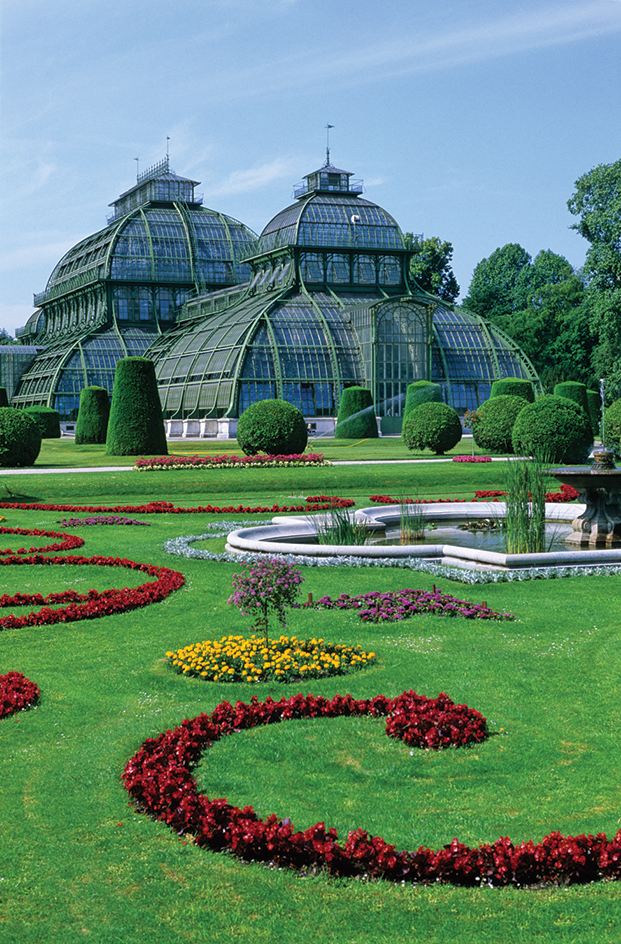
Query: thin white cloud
254, 178
434, 46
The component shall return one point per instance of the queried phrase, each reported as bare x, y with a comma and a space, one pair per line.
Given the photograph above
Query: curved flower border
313, 503
159, 779
162, 463
16, 693
94, 603
68, 542
181, 547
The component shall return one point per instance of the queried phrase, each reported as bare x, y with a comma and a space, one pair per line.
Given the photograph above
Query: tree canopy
431, 266
542, 303
597, 204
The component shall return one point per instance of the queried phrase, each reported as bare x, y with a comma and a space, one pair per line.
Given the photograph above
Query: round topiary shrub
494, 423
356, 417
612, 425
48, 420
422, 391
513, 387
93, 415
136, 426
20, 438
432, 426
273, 427
553, 428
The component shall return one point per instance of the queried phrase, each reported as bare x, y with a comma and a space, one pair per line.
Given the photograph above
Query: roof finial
167, 149
328, 144
137, 159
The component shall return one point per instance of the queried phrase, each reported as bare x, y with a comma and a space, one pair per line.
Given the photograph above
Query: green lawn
78, 863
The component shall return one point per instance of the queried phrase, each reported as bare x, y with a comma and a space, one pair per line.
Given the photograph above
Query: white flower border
181, 546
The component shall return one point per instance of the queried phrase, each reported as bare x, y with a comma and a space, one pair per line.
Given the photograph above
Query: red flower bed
566, 494
93, 603
226, 462
16, 692
472, 459
159, 779
68, 542
313, 503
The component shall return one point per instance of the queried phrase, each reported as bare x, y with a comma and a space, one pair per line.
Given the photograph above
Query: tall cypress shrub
136, 425
356, 418
422, 391
48, 420
513, 387
92, 424
573, 391
594, 403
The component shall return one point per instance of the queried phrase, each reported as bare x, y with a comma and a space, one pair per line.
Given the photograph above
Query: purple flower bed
376, 607
99, 519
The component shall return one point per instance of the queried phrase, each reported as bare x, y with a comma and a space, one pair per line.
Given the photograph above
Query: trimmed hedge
513, 387
4, 397
494, 422
273, 427
93, 415
612, 425
432, 426
356, 417
594, 403
422, 391
573, 391
553, 428
48, 420
136, 426
20, 438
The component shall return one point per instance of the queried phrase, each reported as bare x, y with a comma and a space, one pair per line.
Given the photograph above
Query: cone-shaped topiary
4, 397
48, 420
273, 427
494, 422
554, 428
432, 426
135, 426
356, 417
20, 438
92, 424
422, 391
513, 387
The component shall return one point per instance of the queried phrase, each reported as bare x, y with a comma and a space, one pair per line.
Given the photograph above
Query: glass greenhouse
117, 291
329, 304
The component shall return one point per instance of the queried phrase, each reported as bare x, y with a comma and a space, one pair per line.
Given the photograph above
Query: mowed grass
78, 863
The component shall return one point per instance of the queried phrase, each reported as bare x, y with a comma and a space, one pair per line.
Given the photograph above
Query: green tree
430, 267
543, 304
597, 204
498, 287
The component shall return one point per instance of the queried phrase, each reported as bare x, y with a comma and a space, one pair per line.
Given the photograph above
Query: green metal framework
115, 292
329, 304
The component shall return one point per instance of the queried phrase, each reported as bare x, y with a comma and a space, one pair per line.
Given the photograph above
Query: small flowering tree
268, 587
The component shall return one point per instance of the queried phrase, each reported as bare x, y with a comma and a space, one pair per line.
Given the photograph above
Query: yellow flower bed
238, 659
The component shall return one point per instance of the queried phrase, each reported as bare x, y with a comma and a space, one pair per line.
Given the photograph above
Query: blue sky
467, 119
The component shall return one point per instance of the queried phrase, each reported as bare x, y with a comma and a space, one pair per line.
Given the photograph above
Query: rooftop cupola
158, 184
328, 179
